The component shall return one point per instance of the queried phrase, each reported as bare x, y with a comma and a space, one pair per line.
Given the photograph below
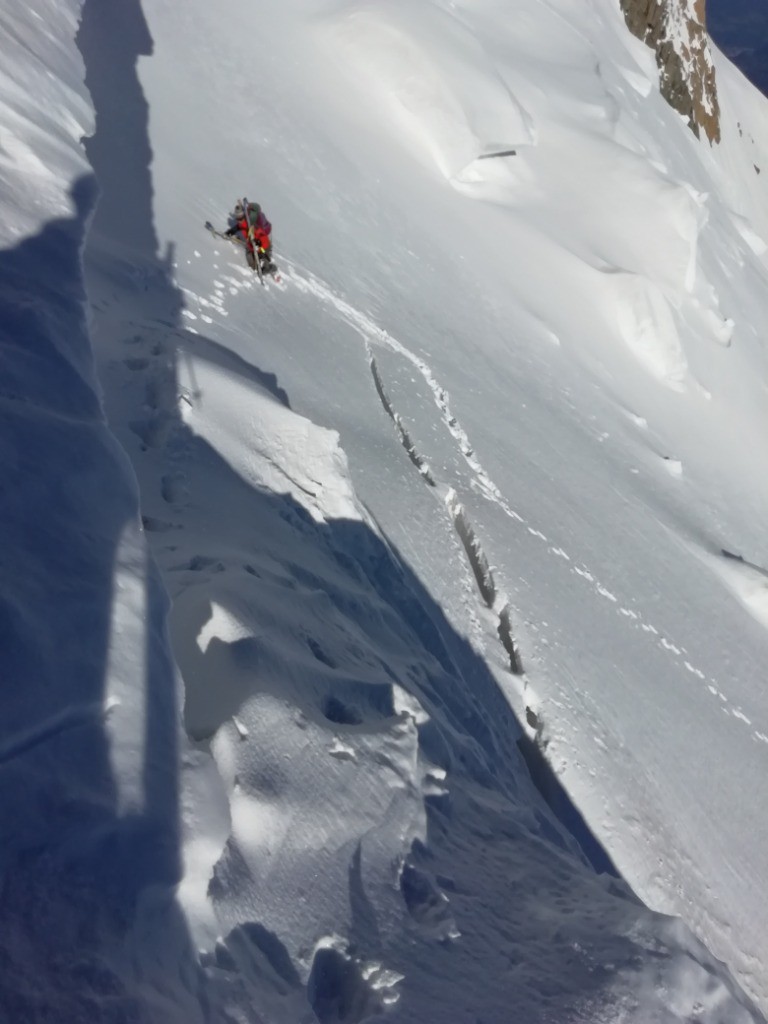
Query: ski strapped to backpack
252, 240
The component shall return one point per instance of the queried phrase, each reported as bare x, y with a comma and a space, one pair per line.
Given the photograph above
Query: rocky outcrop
676, 30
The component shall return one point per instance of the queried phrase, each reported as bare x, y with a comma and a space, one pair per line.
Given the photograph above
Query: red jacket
261, 230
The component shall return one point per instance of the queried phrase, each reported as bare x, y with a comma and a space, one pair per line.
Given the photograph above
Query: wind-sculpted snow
646, 322
435, 79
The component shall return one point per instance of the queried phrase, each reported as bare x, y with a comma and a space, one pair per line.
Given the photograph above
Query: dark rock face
676, 31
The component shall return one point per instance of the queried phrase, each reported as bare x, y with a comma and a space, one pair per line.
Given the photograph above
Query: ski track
496, 601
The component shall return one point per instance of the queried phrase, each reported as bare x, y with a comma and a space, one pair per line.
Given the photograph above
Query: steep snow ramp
429, 72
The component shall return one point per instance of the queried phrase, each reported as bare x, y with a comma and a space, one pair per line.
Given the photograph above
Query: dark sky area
740, 29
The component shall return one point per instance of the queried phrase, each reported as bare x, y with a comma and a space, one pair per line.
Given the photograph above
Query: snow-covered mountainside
456, 711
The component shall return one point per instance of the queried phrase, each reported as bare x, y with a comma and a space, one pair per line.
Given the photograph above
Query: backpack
257, 219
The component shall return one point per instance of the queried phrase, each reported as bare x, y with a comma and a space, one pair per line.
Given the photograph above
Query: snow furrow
495, 601
413, 454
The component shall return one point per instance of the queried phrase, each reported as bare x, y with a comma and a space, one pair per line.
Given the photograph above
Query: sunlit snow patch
435, 79
244, 425
647, 325
40, 155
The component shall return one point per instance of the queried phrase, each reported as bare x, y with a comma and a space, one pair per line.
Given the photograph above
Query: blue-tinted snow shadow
85, 868
74, 866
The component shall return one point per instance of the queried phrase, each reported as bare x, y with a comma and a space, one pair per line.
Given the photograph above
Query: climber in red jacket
253, 227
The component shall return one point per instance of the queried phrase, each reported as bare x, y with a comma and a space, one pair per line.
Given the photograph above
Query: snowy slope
479, 456
600, 303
